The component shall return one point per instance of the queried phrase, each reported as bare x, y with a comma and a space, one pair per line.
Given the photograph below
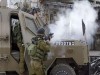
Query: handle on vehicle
4, 37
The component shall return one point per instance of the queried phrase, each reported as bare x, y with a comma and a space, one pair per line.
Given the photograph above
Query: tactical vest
41, 52
34, 51
38, 50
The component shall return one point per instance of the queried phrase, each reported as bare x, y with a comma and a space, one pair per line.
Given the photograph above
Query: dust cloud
68, 24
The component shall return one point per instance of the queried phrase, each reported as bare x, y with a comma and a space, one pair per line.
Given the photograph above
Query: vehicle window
30, 24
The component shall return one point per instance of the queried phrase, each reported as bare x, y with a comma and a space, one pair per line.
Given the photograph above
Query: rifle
49, 36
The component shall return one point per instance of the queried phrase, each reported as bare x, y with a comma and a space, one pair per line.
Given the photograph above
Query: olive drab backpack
32, 50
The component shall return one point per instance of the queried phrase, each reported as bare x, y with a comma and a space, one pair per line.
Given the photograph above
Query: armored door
29, 26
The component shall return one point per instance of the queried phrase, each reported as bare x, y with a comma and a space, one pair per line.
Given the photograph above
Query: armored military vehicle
9, 51
68, 57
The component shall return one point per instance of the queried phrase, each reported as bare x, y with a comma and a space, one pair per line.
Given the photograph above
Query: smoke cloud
68, 24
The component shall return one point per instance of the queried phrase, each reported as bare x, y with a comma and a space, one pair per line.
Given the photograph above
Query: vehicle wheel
62, 69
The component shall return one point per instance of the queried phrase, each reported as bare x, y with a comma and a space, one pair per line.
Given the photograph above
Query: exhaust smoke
68, 24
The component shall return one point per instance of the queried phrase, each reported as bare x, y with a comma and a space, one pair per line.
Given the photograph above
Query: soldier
26, 7
35, 11
41, 48
17, 38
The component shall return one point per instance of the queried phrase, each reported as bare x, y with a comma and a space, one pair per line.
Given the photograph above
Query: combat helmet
40, 31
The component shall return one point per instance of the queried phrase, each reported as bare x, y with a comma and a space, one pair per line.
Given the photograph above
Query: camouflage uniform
17, 38
37, 59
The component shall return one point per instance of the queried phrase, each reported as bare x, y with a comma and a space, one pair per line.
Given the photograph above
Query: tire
62, 69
